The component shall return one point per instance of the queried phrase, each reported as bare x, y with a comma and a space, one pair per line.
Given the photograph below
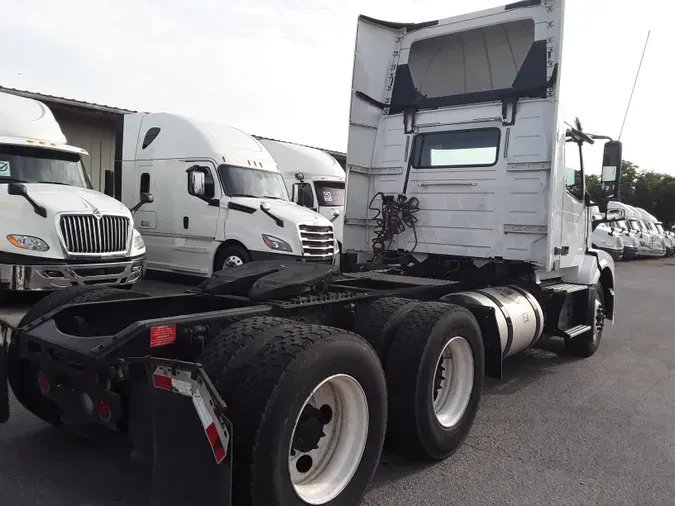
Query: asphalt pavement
555, 430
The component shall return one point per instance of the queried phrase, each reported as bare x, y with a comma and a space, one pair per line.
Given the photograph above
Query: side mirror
197, 183
146, 198
201, 184
611, 171
17, 189
109, 183
335, 213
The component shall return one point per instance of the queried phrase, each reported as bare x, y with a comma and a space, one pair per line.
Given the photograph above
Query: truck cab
616, 219
655, 227
211, 197
651, 244
314, 179
607, 237
57, 231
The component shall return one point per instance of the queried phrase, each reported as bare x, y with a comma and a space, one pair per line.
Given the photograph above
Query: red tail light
43, 382
104, 411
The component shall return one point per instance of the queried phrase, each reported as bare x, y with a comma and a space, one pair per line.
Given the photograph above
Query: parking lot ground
554, 430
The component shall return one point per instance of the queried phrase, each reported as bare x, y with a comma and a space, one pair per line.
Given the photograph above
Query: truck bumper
265, 255
630, 253
616, 254
57, 276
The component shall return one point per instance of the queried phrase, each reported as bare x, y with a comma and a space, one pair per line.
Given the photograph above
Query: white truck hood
18, 216
70, 199
248, 227
285, 210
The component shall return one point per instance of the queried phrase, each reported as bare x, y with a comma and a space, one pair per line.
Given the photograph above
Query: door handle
421, 185
186, 222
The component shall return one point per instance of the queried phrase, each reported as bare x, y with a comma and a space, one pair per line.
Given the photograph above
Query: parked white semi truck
468, 224
618, 219
211, 198
57, 231
655, 227
313, 178
651, 244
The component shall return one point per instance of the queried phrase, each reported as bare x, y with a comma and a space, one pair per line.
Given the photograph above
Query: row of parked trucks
631, 232
184, 197
465, 236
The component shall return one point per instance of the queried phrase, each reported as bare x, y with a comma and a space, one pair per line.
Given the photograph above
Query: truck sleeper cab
219, 200
56, 230
314, 179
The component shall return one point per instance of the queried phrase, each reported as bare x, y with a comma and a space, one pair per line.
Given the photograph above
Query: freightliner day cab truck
212, 198
57, 231
467, 228
314, 179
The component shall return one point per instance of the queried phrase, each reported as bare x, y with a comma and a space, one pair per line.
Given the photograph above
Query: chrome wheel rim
328, 440
453, 382
232, 261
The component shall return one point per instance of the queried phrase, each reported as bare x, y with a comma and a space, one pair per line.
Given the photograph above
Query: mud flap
4, 387
192, 462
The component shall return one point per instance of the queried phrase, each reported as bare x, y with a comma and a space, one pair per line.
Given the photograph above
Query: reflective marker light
162, 382
43, 382
104, 411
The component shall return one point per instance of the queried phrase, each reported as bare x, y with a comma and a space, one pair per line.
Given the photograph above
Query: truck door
197, 208
574, 227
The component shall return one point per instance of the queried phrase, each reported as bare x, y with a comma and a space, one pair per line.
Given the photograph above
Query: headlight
28, 242
609, 244
275, 243
138, 245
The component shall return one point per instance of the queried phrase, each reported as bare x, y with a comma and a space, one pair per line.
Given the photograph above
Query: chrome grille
317, 241
85, 234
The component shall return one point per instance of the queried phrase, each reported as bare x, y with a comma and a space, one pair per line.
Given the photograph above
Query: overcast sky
282, 68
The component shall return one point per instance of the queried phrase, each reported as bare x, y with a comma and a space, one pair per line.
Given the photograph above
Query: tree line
652, 191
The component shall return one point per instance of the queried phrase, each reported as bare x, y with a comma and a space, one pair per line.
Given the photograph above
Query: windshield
660, 229
36, 165
330, 193
635, 225
245, 182
620, 224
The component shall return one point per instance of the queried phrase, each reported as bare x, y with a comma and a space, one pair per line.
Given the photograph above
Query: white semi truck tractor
57, 231
655, 227
210, 197
468, 228
314, 179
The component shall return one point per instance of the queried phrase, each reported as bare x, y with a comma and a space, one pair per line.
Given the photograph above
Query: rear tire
22, 374
378, 321
430, 414
266, 386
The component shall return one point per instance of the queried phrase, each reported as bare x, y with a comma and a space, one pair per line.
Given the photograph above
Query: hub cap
328, 439
453, 382
232, 261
